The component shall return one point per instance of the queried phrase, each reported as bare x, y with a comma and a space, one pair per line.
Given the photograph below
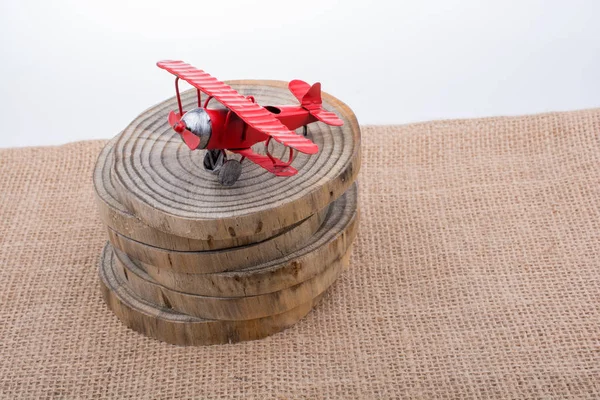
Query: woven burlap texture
476, 273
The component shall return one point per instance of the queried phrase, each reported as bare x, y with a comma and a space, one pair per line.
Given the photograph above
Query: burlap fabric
476, 273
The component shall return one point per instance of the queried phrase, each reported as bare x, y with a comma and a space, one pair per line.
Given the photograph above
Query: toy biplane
243, 123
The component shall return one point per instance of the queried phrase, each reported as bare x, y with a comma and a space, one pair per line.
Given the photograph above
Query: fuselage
230, 132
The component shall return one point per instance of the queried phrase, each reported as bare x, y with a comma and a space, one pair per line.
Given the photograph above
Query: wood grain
180, 329
165, 185
330, 242
119, 219
231, 259
229, 308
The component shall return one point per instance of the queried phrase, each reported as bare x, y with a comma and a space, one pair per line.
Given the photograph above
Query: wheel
230, 172
305, 130
213, 160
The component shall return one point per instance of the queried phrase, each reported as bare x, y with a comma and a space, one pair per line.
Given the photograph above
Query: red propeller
178, 125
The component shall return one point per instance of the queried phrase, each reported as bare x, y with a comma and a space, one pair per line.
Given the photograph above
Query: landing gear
305, 130
213, 160
230, 172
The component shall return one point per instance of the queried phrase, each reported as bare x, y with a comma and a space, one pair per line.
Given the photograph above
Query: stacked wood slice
190, 261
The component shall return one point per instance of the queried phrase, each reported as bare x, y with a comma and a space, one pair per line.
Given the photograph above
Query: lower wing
274, 166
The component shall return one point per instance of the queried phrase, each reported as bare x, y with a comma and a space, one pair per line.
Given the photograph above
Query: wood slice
228, 308
330, 242
164, 184
180, 329
231, 259
120, 220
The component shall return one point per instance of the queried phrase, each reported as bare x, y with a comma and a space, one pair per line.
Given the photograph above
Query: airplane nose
179, 127
198, 122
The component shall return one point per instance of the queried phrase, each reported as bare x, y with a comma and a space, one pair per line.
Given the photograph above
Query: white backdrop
74, 70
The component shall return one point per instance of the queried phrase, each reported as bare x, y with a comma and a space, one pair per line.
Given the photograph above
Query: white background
74, 70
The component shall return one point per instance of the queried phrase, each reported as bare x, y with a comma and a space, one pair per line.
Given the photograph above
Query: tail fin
310, 98
298, 88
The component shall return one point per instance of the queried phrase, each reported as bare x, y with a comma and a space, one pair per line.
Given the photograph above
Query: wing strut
268, 162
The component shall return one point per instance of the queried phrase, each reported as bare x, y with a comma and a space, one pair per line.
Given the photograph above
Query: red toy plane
244, 123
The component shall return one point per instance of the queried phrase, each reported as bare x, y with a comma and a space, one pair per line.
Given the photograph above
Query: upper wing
278, 167
251, 113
